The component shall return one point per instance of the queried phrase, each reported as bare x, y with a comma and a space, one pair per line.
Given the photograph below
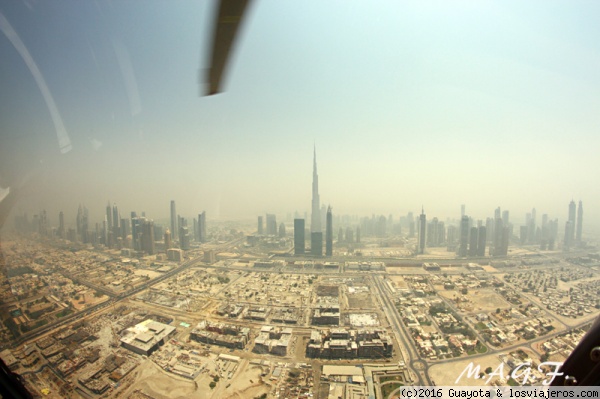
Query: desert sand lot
159, 384
484, 300
447, 374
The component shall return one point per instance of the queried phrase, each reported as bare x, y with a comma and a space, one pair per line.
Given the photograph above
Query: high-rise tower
173, 221
464, 236
579, 222
315, 221
299, 240
422, 228
202, 226
329, 233
572, 213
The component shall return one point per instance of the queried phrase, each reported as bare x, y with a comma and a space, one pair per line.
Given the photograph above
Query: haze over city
439, 104
263, 199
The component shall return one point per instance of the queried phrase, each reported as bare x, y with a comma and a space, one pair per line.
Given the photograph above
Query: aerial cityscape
130, 307
236, 199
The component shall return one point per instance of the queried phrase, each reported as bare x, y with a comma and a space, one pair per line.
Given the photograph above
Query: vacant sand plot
484, 300
445, 374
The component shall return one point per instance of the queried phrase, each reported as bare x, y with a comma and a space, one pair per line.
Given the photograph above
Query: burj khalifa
315, 222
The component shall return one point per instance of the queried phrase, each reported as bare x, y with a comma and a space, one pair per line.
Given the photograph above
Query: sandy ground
398, 282
89, 298
445, 374
150, 273
151, 380
159, 384
484, 300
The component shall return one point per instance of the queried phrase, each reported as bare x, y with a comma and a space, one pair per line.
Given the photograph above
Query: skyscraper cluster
574, 225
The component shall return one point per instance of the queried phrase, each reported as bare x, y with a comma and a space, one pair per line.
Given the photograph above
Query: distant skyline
437, 104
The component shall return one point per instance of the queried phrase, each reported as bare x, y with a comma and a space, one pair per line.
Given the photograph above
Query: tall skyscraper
422, 231
473, 242
462, 211
505, 217
329, 233
173, 220
147, 241
260, 225
464, 236
116, 220
579, 222
481, 240
498, 231
315, 221
136, 231
202, 227
61, 225
109, 216
184, 238
168, 242
299, 240
572, 213
316, 243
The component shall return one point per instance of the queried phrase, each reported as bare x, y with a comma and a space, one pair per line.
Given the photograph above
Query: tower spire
315, 225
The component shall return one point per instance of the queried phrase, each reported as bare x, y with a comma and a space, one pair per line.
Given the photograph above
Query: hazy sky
410, 103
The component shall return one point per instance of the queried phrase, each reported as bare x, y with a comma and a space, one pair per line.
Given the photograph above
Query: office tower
173, 220
422, 231
79, 221
271, 225
329, 233
168, 242
260, 225
299, 240
61, 225
184, 237
358, 234
462, 211
572, 212
281, 230
505, 217
136, 231
473, 242
147, 236
489, 227
116, 219
481, 240
202, 227
579, 222
441, 240
158, 231
464, 236
315, 221
497, 213
109, 216
125, 228
196, 234
432, 233
316, 243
